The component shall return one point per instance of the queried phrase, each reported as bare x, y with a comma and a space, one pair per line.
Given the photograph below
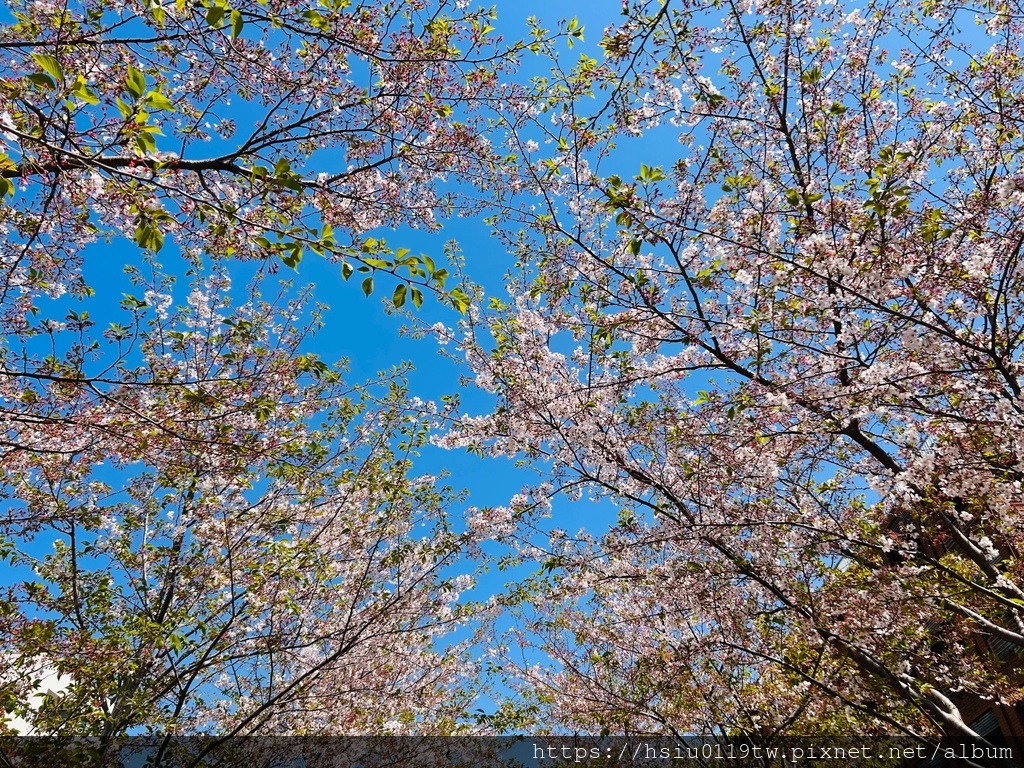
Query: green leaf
157, 100
42, 79
236, 24
292, 256
290, 181
155, 8
149, 236
83, 92
812, 75
215, 15
50, 65
459, 299
145, 143
135, 82
368, 286
399, 298
316, 19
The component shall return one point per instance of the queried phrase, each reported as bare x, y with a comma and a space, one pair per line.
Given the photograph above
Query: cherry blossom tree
210, 530
257, 130
787, 347
206, 530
